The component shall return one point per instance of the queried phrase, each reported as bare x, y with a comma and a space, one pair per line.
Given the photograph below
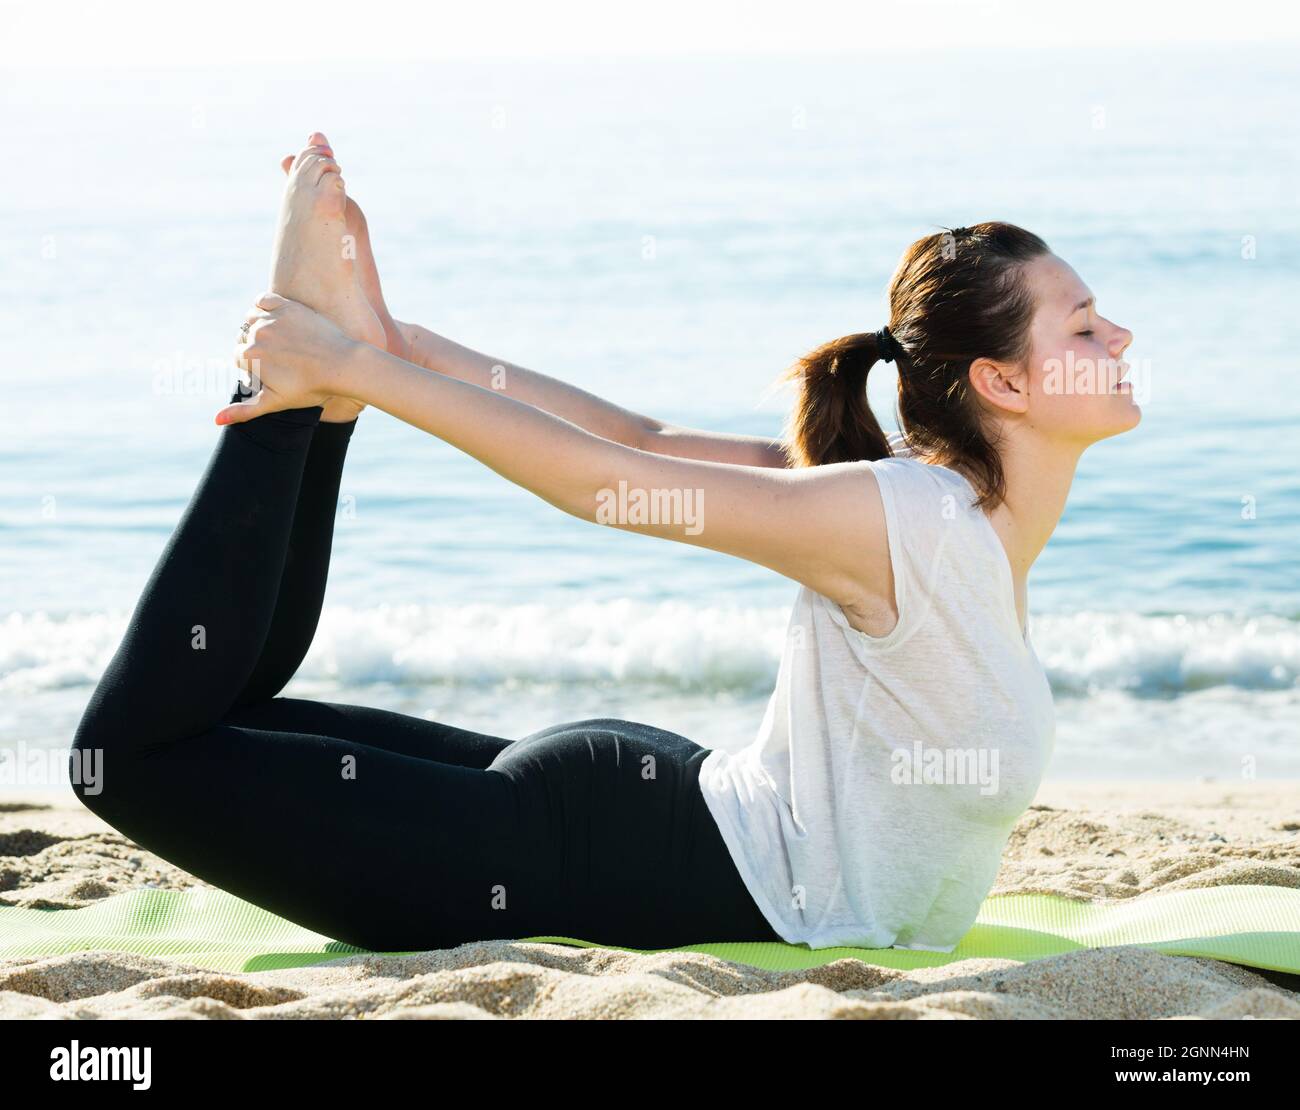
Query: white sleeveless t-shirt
873, 806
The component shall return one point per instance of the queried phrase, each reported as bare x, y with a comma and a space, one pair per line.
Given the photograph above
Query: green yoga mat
1258, 926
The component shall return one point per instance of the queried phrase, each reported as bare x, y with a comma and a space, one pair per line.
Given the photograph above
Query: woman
911, 719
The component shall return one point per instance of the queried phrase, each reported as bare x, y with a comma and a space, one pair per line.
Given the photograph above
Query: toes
317, 169
309, 152
316, 177
317, 141
334, 173
316, 159
314, 168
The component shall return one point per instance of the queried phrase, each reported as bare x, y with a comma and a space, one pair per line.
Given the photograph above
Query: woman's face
1076, 360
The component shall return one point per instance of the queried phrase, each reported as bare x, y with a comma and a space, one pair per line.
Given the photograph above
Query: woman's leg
376, 728
306, 564
293, 625
197, 633
355, 841
310, 267
595, 829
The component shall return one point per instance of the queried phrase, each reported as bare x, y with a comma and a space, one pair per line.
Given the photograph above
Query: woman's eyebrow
1081, 304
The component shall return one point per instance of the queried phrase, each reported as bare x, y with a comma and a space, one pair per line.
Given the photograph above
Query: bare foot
315, 253
366, 270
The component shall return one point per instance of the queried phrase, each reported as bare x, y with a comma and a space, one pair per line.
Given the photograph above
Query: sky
58, 34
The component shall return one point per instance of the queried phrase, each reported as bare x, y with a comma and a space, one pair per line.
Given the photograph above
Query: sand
1095, 840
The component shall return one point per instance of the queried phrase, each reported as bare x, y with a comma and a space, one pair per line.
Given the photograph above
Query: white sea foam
674, 645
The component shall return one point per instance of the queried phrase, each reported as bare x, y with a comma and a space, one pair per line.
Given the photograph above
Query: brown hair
956, 296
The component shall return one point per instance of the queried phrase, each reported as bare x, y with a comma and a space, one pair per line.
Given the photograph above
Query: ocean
669, 234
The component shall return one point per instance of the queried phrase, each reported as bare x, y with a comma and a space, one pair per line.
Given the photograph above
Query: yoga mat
1258, 926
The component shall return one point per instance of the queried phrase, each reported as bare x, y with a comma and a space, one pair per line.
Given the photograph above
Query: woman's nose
1123, 337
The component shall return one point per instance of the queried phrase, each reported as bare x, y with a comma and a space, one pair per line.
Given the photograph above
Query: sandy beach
1098, 840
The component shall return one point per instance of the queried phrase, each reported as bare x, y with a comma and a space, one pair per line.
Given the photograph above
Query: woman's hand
290, 355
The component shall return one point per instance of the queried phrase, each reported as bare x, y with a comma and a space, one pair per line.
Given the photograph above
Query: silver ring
243, 331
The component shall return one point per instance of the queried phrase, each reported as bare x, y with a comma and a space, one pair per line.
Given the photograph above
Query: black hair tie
887, 346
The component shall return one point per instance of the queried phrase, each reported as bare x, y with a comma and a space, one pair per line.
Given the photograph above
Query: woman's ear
1002, 384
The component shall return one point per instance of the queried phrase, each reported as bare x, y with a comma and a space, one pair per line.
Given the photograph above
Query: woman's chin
1124, 419
1129, 417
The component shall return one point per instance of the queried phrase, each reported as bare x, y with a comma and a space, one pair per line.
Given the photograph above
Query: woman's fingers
253, 320
231, 414
254, 317
263, 310
290, 343
271, 301
259, 404
250, 365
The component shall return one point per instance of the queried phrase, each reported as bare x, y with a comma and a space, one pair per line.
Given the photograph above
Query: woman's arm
822, 526
599, 417
443, 356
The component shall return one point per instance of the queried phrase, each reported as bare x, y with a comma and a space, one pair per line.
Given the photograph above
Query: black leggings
381, 830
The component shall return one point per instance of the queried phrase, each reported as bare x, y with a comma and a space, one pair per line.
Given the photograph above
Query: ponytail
832, 421
955, 296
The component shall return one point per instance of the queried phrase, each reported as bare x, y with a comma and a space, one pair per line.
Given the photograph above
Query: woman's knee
86, 772
101, 763
86, 758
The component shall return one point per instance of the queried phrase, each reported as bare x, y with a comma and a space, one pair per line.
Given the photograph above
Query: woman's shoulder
912, 479
930, 513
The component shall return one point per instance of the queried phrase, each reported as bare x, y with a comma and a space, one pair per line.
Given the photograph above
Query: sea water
668, 234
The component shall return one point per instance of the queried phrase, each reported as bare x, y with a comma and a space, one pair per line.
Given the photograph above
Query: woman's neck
1038, 479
